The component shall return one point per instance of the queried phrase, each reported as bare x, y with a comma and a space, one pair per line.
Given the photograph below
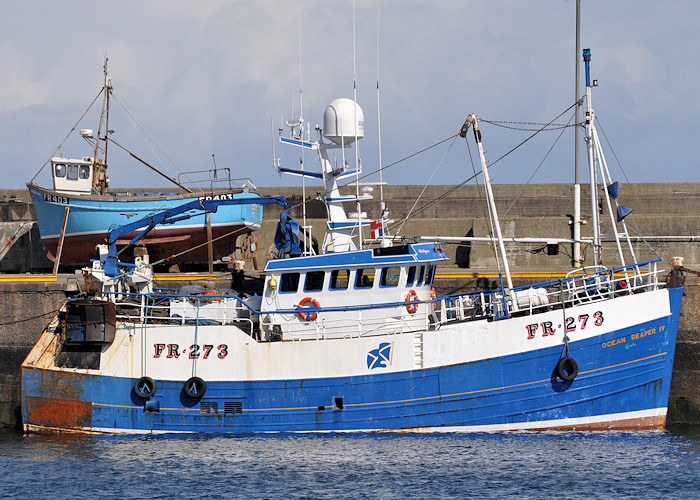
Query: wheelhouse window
421, 274
364, 278
289, 282
314, 281
84, 172
72, 172
59, 170
390, 276
411, 277
340, 279
430, 275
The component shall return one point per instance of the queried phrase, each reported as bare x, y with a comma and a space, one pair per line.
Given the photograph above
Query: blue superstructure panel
415, 253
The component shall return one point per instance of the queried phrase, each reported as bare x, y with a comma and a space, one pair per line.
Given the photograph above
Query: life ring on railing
305, 316
145, 388
411, 296
567, 369
432, 296
194, 388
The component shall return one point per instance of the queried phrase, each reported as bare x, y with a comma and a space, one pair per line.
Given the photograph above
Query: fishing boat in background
74, 215
354, 337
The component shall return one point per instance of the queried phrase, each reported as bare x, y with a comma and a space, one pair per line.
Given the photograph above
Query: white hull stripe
616, 420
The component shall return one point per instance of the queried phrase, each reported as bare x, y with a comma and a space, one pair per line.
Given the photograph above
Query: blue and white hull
463, 376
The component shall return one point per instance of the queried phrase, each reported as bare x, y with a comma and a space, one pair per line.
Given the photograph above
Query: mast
597, 158
473, 119
577, 255
592, 156
99, 167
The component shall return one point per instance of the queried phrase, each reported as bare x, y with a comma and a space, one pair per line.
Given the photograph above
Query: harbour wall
669, 211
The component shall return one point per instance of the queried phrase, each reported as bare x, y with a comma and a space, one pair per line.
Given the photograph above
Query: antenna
357, 146
275, 160
301, 136
382, 205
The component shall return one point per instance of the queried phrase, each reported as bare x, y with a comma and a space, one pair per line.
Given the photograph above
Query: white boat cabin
72, 176
357, 293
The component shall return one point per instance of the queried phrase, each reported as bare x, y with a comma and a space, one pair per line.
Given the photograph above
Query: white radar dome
343, 121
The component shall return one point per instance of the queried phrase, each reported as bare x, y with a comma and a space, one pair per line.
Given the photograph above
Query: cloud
208, 78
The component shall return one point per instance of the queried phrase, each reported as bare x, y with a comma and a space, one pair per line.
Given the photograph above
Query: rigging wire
154, 143
522, 190
357, 144
637, 200
68, 134
379, 129
437, 167
547, 126
457, 186
486, 209
476, 178
481, 200
401, 221
414, 212
532, 135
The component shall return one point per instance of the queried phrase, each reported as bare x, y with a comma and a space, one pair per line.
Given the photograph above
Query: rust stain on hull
61, 413
632, 424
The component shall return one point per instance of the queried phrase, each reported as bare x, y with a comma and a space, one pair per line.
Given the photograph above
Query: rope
533, 135
30, 318
543, 127
563, 310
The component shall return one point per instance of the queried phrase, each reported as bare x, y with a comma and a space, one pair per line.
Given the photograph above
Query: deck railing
581, 286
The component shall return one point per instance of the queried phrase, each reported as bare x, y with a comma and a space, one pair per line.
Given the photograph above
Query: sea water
515, 465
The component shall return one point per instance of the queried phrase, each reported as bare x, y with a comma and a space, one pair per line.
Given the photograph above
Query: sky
213, 77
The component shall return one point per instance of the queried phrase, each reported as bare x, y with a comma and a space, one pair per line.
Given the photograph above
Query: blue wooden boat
88, 217
76, 213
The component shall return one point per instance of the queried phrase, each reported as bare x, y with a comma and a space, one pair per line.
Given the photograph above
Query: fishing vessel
76, 212
354, 337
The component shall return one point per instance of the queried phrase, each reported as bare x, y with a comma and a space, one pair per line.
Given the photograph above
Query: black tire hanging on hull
567, 369
194, 388
145, 388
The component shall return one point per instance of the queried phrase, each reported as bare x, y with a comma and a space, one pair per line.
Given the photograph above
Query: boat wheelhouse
364, 292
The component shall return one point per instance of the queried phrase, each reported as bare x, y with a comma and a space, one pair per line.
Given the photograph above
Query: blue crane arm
172, 215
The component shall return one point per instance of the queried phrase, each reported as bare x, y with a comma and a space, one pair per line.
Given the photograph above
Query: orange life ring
305, 316
432, 296
411, 296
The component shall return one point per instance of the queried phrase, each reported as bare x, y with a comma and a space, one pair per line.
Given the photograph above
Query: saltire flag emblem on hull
378, 358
